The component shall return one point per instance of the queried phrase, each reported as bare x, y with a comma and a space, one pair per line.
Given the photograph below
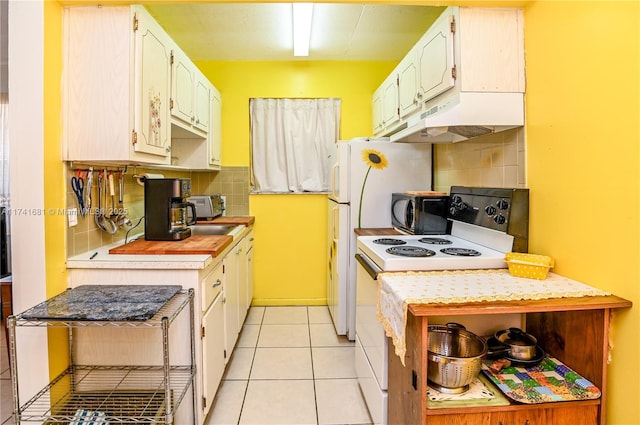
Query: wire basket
113, 407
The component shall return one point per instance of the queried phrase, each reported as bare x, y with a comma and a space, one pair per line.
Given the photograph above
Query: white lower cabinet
248, 247
231, 300
238, 289
212, 334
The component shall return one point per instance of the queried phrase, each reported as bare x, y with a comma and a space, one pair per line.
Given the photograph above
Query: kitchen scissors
77, 185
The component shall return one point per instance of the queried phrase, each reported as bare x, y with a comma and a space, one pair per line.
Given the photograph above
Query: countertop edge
103, 260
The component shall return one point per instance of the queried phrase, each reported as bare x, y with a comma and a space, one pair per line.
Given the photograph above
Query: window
293, 144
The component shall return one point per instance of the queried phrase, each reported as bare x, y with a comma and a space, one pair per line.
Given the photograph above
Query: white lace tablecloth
397, 290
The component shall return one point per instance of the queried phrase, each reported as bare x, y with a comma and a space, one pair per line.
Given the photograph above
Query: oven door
371, 343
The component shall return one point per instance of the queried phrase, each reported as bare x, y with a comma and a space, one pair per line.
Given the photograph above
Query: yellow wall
353, 82
54, 184
291, 230
582, 158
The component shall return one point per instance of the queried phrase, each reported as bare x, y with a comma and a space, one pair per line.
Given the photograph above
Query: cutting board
239, 220
425, 193
196, 244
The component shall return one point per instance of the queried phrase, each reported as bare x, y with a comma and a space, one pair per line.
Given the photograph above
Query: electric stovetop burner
435, 241
410, 251
462, 252
389, 241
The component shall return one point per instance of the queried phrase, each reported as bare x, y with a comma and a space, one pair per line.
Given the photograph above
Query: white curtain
293, 144
4, 150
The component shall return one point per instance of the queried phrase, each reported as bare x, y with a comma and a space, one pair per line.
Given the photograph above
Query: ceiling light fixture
302, 15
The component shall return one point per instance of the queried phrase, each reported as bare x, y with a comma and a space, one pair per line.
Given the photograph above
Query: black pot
515, 344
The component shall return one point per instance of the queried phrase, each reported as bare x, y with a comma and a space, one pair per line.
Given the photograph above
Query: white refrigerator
388, 167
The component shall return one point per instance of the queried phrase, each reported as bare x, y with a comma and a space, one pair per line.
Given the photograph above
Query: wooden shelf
148, 394
573, 330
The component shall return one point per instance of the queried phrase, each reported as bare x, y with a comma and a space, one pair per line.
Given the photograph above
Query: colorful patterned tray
549, 381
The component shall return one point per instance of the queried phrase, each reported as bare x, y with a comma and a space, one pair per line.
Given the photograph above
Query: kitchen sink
215, 229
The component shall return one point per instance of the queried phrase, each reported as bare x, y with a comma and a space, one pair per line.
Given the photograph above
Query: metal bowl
454, 357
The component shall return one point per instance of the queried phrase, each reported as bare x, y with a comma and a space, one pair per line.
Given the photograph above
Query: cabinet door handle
218, 283
526, 422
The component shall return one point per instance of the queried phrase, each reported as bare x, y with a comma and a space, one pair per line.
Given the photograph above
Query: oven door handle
371, 269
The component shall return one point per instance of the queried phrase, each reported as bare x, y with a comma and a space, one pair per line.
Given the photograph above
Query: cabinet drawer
555, 415
211, 286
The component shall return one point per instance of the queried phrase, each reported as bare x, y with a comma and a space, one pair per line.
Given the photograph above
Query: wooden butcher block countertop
377, 232
195, 244
239, 220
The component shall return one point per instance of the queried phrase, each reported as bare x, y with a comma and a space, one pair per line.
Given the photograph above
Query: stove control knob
499, 219
490, 210
503, 204
457, 205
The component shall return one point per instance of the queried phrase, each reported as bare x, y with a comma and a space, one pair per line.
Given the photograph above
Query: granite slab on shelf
104, 303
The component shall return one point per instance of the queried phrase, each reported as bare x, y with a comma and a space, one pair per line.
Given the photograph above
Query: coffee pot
165, 209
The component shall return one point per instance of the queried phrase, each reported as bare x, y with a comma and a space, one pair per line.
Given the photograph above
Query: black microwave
420, 215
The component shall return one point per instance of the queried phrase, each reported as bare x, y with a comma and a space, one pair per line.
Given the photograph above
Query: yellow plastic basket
533, 266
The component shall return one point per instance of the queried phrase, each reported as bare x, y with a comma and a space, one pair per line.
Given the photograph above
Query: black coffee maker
165, 209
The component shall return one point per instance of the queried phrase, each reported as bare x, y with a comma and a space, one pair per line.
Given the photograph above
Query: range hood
460, 116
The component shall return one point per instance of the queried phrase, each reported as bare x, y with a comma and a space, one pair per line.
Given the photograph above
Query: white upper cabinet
191, 95
131, 95
376, 114
491, 56
408, 84
197, 150
152, 86
435, 58
465, 50
116, 86
390, 101
385, 104
202, 103
182, 83
215, 132
428, 69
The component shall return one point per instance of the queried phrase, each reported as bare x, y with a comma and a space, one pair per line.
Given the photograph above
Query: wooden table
573, 330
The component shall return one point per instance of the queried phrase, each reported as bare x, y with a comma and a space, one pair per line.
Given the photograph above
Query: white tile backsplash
496, 160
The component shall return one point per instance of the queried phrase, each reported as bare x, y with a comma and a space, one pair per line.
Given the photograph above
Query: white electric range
485, 223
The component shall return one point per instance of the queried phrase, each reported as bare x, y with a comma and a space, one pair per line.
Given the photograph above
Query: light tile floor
290, 367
